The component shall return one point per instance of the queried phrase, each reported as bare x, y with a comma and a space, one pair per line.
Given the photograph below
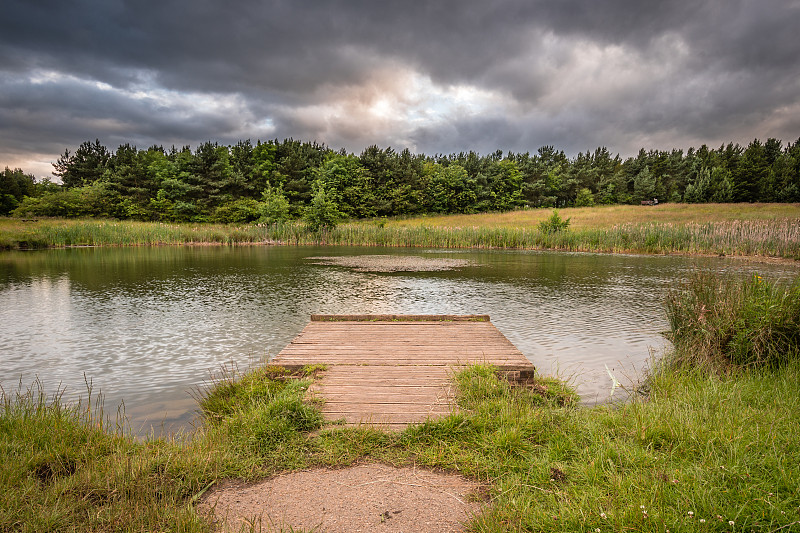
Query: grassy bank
701, 453
762, 230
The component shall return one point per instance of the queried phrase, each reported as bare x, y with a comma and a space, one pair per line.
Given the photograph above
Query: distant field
612, 215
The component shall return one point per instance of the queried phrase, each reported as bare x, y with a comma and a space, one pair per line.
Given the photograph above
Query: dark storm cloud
434, 76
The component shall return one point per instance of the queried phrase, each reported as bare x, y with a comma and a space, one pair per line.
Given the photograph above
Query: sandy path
360, 498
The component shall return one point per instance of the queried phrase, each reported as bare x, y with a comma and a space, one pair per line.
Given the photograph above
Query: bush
554, 224
734, 322
238, 211
94, 200
323, 213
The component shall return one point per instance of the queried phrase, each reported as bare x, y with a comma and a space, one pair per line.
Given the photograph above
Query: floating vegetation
393, 263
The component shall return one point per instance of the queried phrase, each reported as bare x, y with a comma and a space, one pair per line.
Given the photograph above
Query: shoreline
200, 244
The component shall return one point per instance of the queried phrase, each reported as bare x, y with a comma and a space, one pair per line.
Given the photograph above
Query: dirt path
370, 497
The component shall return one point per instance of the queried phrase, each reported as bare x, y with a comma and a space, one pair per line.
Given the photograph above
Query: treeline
276, 180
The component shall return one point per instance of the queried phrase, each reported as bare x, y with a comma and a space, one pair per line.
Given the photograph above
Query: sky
434, 77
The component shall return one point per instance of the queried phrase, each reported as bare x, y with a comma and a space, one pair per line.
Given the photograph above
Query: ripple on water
148, 325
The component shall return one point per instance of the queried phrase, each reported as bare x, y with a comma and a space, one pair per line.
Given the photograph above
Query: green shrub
238, 211
274, 206
553, 224
323, 213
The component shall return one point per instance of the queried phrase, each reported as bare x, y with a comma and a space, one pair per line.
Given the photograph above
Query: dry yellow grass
612, 215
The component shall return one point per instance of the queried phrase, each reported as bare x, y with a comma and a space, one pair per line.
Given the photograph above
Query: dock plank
393, 370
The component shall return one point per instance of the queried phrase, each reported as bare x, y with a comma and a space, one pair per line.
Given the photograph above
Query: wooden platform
394, 370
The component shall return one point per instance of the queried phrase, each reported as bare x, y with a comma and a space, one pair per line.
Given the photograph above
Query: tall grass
742, 322
63, 469
768, 238
739, 238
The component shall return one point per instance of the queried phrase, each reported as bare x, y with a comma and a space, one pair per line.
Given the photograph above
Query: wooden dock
394, 370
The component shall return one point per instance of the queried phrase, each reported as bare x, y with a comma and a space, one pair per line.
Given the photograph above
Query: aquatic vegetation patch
393, 263
741, 322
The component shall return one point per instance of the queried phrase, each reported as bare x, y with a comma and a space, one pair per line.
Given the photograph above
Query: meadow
608, 216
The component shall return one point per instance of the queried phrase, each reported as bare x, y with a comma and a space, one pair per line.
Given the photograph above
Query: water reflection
146, 325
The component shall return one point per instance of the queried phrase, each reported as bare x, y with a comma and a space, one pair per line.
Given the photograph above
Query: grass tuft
62, 469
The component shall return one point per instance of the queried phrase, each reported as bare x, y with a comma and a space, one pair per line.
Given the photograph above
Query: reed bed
766, 238
90, 232
734, 323
738, 238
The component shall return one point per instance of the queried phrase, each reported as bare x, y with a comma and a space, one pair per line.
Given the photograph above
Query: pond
148, 325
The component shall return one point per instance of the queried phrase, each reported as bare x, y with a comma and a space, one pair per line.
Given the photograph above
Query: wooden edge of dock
515, 374
391, 370
400, 318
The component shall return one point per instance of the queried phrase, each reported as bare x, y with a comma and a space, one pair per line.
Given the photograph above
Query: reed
767, 237
736, 238
719, 323
91, 232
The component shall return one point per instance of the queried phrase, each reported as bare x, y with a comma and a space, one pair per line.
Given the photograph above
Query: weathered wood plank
393, 370
400, 318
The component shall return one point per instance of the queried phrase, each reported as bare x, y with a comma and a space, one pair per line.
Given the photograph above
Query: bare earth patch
393, 263
370, 497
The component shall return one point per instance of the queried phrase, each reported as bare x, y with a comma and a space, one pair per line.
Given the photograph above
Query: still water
147, 326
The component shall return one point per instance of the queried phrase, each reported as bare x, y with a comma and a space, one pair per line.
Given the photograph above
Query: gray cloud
434, 76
